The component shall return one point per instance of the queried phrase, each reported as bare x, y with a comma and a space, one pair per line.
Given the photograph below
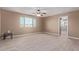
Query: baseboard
21, 35
71, 37
51, 33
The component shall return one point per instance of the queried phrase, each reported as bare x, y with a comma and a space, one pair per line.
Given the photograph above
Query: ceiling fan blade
38, 10
43, 13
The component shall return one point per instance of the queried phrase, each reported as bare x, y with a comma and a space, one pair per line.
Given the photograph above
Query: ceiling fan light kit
39, 13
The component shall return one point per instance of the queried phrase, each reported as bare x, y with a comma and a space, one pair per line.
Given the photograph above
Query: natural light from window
27, 22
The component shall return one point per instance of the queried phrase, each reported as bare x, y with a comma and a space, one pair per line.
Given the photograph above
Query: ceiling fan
40, 12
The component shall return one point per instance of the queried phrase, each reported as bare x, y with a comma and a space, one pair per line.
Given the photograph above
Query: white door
64, 26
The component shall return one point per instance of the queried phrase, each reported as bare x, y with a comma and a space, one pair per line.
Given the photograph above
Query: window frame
33, 21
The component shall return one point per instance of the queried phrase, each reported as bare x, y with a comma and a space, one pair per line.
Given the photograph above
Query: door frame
59, 25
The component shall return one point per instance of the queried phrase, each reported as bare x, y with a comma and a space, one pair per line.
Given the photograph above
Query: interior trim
71, 37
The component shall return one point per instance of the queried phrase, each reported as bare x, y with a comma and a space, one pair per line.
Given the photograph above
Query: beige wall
42, 24
0, 21
10, 21
74, 24
51, 23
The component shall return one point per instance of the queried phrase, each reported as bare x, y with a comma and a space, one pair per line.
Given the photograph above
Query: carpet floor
39, 42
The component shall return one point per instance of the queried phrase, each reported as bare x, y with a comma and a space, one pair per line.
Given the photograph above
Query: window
27, 22
22, 20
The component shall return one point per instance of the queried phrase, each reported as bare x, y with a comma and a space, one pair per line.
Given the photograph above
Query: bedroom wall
10, 21
74, 24
0, 21
51, 23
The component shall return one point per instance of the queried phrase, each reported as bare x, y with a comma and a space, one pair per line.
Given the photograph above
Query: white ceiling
49, 10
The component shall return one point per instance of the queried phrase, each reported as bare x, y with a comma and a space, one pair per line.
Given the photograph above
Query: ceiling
49, 10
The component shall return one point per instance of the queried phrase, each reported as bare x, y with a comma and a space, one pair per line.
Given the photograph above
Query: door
64, 26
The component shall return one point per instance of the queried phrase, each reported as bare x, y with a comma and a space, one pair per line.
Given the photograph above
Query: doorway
63, 26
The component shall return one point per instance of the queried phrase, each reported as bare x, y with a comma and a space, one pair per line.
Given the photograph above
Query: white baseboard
51, 33
73, 37
20, 35
15, 36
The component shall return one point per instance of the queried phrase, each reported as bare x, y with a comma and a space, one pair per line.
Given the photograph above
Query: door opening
63, 25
